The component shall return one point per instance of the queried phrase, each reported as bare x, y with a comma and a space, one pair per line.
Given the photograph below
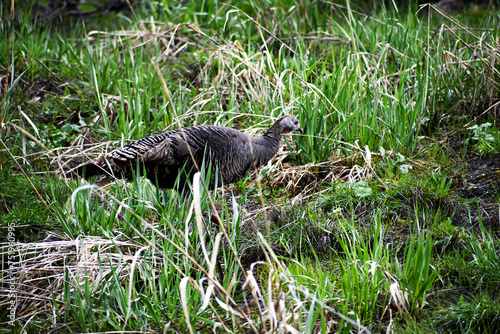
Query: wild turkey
163, 156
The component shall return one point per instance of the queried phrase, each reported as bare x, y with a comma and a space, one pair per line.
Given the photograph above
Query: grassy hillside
382, 217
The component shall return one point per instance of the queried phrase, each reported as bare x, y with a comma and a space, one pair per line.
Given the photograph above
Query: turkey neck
266, 146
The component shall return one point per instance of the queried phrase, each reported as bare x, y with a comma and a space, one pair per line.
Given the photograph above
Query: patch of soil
476, 178
189, 72
35, 90
480, 185
56, 11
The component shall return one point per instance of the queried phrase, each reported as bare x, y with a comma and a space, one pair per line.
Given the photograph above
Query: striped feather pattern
166, 156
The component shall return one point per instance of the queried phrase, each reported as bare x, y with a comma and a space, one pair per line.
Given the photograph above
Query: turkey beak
300, 129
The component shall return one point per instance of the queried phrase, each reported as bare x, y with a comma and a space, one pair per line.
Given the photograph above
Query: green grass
382, 216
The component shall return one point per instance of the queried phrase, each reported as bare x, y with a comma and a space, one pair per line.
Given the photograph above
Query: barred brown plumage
167, 155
